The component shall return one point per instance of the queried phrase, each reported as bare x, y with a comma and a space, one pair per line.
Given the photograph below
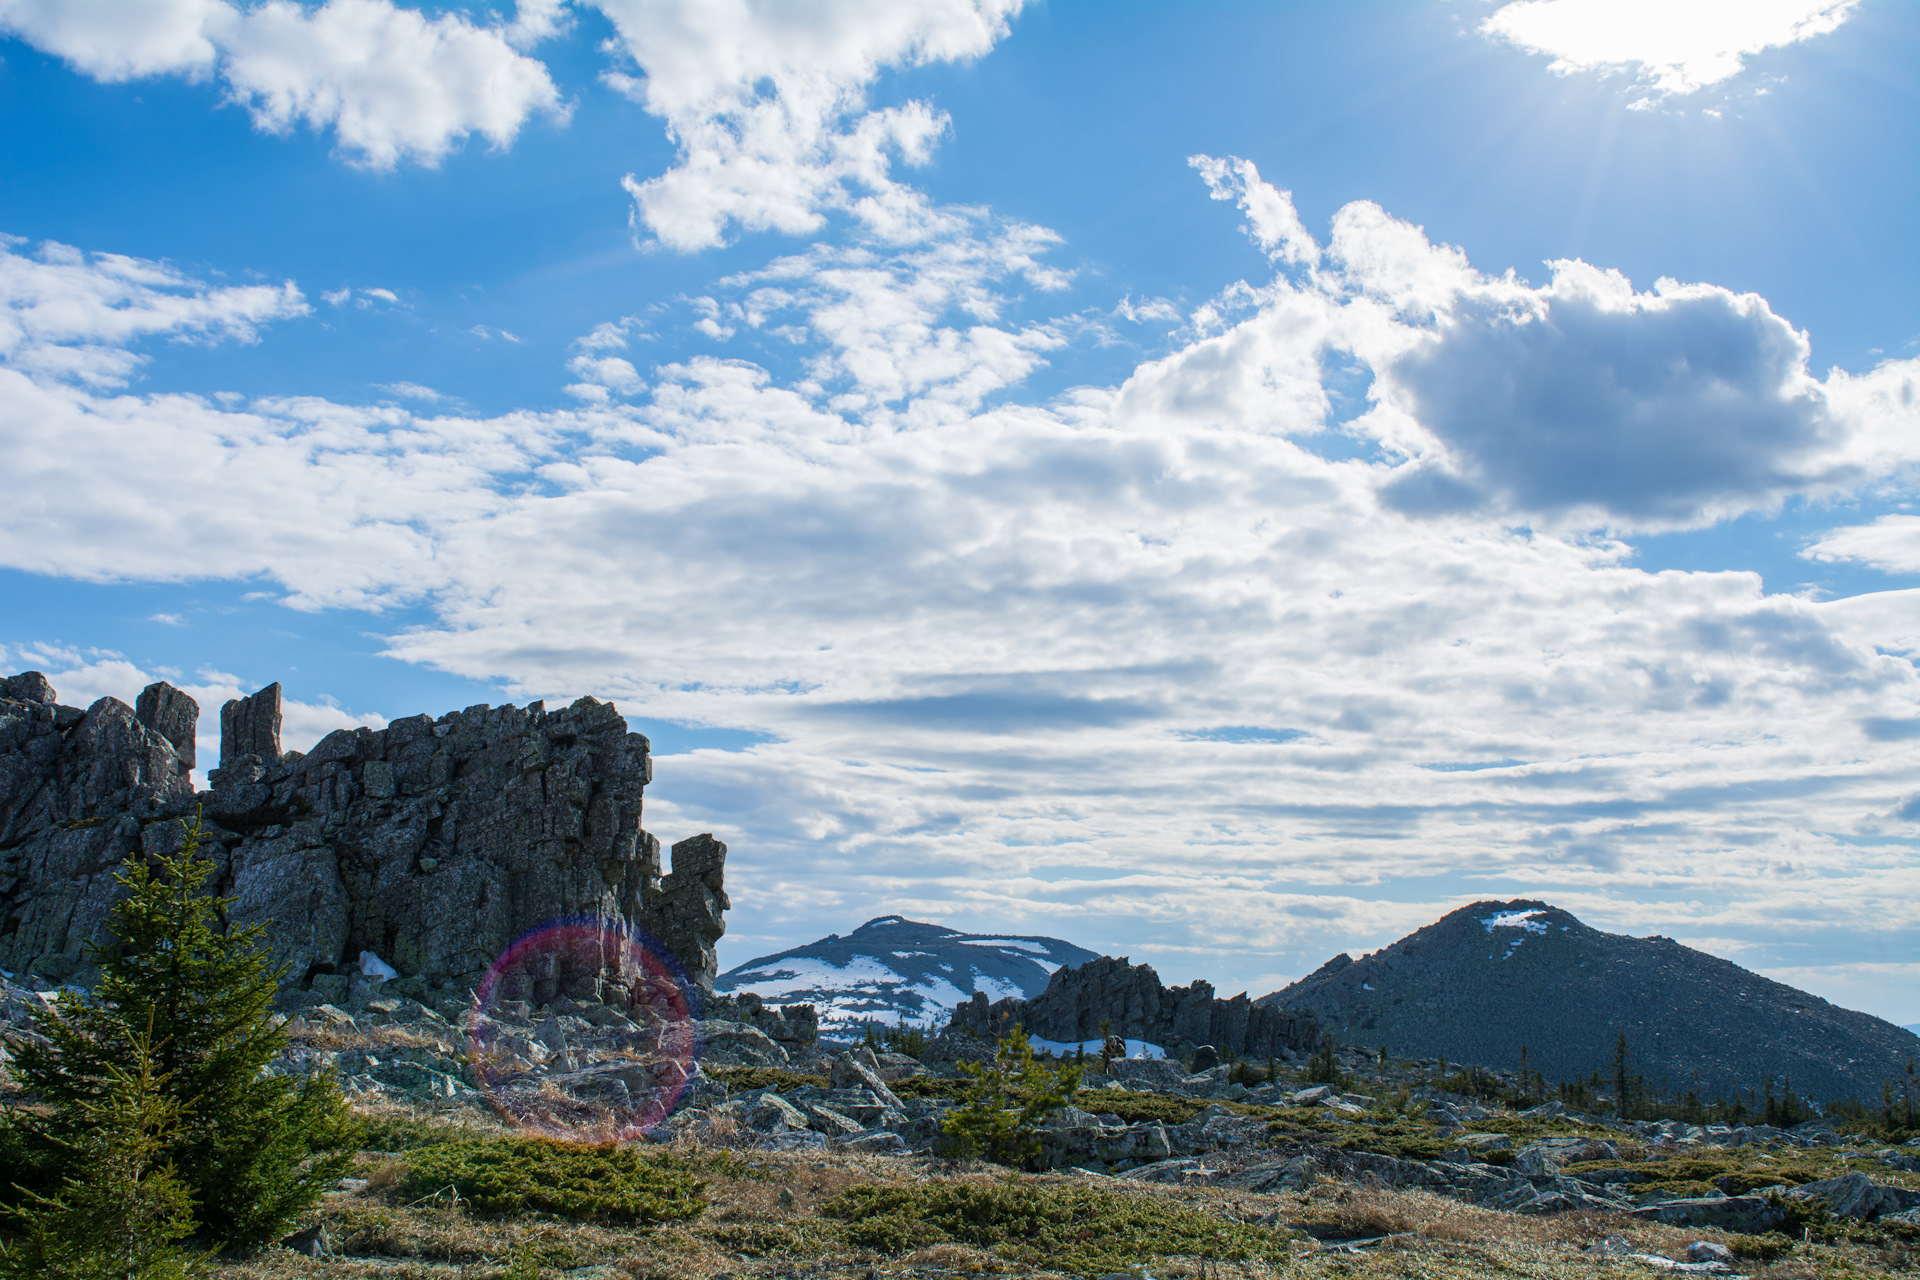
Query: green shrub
1004, 1101
743, 1079
254, 1150
1766, 1248
929, 1087
1141, 1108
591, 1184
1072, 1228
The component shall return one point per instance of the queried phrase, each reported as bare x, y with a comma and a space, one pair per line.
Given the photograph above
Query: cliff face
433, 843
1106, 996
1482, 981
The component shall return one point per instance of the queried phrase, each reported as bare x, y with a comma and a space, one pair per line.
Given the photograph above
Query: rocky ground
823, 1160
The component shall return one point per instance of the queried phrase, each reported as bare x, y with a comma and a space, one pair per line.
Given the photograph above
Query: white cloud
1676, 46
67, 314
1137, 665
1273, 223
767, 103
413, 391
390, 82
1891, 544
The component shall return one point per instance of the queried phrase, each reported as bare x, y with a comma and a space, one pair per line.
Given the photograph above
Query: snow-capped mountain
892, 969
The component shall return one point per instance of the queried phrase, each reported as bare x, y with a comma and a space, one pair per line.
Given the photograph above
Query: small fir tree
121, 1214
254, 1149
1004, 1101
1324, 1066
1621, 1085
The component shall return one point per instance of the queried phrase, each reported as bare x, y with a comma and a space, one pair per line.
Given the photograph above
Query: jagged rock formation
1106, 996
1484, 980
893, 970
432, 843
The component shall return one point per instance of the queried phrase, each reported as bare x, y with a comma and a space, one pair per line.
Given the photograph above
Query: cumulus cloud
392, 83
1674, 46
767, 103
1582, 402
1137, 664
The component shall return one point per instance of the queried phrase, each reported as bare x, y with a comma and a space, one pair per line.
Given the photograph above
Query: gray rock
1856, 1196
1161, 1073
1709, 1251
433, 843
849, 1072
771, 1113
1108, 996
1296, 1174
172, 714
1754, 1215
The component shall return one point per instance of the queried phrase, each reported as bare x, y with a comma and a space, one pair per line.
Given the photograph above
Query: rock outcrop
1108, 996
1483, 981
432, 843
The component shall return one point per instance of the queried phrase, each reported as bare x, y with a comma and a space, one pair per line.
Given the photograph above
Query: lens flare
584, 1031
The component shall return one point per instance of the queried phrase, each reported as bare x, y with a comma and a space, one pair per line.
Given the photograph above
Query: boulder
1753, 1215
851, 1072
1856, 1196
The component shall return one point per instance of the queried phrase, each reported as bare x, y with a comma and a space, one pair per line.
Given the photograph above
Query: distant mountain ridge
1481, 982
892, 969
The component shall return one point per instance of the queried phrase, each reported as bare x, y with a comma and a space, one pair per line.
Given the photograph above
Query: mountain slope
1489, 978
892, 969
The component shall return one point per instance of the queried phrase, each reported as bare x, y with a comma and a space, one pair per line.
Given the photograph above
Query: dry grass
763, 1222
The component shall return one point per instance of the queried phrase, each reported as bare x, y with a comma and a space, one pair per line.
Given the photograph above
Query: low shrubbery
1067, 1228
743, 1079
605, 1184
1004, 1101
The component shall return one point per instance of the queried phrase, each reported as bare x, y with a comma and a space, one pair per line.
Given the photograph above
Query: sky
1221, 483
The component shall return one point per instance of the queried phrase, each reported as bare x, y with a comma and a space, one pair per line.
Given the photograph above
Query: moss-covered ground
440, 1197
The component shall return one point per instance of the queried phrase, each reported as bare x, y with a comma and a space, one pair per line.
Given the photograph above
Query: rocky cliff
1482, 981
1106, 996
431, 843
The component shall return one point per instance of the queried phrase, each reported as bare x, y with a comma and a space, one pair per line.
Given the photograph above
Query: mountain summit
1481, 982
892, 969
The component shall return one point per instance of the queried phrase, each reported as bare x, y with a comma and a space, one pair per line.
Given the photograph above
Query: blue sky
1219, 483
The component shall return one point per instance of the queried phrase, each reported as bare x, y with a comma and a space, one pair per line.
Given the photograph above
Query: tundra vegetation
145, 1138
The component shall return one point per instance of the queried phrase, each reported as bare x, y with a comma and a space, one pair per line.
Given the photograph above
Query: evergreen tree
1324, 1066
1005, 1100
123, 1215
253, 1149
1620, 1082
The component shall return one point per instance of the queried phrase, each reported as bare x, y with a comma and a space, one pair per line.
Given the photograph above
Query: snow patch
1528, 920
372, 966
1018, 944
938, 991
997, 988
802, 973
1135, 1048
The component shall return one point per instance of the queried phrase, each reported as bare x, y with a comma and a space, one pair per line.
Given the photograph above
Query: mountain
1485, 980
892, 969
